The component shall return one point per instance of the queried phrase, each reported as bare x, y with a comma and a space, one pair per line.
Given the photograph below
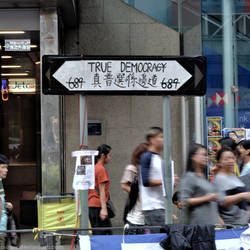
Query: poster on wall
237, 134
248, 134
214, 126
84, 177
213, 145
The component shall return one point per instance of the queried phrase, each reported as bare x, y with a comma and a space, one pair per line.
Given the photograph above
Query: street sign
124, 75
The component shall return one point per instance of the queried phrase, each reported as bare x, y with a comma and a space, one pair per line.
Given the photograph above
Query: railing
48, 239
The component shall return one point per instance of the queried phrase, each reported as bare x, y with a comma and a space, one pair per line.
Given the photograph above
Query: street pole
83, 141
228, 63
167, 159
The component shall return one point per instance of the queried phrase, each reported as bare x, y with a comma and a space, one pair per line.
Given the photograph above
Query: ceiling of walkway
68, 8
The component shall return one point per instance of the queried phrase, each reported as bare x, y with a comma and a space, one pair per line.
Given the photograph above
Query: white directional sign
126, 75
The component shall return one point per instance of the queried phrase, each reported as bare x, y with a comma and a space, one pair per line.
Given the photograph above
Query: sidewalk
28, 243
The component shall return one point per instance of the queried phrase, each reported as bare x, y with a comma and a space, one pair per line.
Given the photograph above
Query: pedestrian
98, 197
198, 196
3, 216
245, 156
133, 211
234, 136
150, 181
232, 207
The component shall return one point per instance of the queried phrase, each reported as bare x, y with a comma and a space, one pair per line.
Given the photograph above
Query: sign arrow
125, 75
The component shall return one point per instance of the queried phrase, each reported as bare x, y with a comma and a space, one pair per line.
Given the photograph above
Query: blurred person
3, 216
244, 149
133, 211
150, 181
197, 195
232, 207
230, 143
98, 198
234, 136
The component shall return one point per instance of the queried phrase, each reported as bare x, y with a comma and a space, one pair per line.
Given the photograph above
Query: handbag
111, 209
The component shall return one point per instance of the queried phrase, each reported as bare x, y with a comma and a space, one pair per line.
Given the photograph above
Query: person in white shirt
150, 181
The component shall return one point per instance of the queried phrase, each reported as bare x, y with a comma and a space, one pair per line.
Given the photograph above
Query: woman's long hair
192, 151
136, 155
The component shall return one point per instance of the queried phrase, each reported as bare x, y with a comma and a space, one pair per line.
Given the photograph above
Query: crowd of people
220, 199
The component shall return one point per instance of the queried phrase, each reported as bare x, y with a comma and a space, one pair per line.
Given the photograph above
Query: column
50, 120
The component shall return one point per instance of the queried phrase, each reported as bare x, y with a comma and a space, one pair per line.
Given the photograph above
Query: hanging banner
231, 239
84, 177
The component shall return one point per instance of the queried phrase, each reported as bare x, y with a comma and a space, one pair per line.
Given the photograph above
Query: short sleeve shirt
192, 186
101, 176
129, 174
232, 214
246, 169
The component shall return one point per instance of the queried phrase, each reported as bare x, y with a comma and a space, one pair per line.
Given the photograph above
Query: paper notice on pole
84, 177
172, 166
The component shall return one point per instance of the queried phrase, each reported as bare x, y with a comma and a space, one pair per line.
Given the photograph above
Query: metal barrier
48, 238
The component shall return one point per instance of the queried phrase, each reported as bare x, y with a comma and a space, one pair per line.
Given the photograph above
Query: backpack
132, 198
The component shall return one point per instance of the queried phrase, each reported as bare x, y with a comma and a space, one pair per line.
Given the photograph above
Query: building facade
40, 135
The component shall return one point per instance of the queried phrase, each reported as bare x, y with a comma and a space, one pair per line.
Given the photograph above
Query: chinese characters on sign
92, 75
17, 45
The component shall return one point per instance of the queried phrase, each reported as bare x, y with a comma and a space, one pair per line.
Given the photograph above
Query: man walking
151, 188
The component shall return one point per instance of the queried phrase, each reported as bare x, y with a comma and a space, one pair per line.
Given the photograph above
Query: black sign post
128, 75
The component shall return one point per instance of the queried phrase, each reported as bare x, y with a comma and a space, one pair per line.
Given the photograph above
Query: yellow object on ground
53, 216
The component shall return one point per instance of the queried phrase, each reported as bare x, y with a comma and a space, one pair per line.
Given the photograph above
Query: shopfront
20, 108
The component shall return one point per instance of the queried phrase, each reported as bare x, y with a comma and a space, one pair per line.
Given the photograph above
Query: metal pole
184, 103
228, 63
235, 56
198, 119
167, 159
180, 16
84, 140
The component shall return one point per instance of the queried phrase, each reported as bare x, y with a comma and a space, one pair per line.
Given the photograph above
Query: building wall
110, 27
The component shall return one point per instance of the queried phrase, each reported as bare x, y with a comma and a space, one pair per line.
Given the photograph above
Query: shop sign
124, 75
22, 86
17, 45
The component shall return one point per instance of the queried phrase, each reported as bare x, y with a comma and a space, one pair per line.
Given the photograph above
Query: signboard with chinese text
22, 86
124, 75
17, 45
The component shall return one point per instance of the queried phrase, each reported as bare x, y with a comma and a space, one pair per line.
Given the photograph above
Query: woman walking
98, 198
233, 206
133, 211
197, 194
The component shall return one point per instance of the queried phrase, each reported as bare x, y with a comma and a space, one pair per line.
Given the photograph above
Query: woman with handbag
99, 197
133, 215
